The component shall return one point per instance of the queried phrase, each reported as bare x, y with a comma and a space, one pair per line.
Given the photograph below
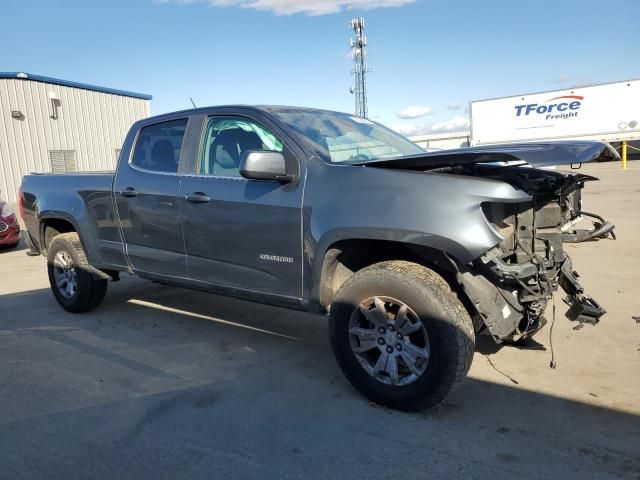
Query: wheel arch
52, 224
344, 257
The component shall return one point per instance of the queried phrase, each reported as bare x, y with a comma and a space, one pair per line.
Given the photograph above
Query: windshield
344, 138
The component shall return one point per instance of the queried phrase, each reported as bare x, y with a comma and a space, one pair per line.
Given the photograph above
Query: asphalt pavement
166, 383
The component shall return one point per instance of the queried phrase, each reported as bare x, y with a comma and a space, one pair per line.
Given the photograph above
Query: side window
226, 139
158, 146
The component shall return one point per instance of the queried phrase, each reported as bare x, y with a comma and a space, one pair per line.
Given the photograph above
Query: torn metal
511, 284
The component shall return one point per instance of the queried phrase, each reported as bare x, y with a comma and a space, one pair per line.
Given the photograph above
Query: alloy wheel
64, 272
389, 340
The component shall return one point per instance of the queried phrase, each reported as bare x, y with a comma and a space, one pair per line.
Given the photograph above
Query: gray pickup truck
411, 253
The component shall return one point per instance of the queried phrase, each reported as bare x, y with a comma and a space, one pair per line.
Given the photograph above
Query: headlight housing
501, 216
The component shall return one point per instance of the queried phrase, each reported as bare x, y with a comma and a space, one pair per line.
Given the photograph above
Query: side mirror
261, 165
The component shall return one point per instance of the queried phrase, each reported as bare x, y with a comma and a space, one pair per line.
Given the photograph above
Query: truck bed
85, 200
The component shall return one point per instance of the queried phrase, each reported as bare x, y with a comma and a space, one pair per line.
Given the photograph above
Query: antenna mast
360, 67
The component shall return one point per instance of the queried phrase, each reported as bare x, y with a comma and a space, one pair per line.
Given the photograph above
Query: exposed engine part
601, 229
511, 284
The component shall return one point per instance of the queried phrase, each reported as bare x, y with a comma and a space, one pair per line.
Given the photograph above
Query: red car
9, 226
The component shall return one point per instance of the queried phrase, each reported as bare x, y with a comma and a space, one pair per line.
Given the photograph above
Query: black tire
450, 332
89, 291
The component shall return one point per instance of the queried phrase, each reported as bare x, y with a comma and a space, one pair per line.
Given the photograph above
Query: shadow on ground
22, 245
167, 383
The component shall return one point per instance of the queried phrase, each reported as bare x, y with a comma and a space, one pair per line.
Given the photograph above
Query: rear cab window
158, 146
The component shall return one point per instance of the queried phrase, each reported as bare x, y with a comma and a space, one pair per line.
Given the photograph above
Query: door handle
197, 197
129, 192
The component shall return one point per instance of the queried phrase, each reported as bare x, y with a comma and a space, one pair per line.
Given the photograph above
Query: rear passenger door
242, 233
147, 195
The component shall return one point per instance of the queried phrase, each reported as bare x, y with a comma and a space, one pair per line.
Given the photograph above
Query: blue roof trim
67, 83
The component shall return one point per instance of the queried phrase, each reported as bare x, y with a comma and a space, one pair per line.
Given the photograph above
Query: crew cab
412, 254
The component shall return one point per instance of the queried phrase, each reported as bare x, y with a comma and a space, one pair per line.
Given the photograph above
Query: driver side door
240, 233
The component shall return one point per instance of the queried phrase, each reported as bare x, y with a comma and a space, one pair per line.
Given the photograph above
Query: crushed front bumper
510, 303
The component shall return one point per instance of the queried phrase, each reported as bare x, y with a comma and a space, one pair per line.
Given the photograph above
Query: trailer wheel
400, 335
72, 283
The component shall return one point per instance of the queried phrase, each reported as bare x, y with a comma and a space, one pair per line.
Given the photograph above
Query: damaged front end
511, 284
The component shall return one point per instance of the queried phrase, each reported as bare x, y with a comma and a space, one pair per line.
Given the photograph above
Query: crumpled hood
535, 154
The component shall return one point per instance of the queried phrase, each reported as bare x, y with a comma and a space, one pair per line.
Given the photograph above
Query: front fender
439, 211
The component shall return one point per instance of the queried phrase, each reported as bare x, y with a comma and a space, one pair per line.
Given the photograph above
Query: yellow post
624, 155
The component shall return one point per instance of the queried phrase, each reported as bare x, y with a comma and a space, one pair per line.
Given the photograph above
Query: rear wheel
400, 335
72, 283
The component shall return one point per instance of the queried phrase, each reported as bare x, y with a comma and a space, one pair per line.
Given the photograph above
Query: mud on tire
67, 265
408, 294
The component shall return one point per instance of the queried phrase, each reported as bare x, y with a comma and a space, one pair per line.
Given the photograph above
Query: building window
62, 161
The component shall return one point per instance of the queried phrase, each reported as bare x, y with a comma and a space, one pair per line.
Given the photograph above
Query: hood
535, 154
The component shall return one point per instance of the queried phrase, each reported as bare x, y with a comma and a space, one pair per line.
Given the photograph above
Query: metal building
51, 125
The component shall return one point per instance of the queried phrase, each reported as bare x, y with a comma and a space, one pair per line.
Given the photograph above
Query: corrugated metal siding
93, 124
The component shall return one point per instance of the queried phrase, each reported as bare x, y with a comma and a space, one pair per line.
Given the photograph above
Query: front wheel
400, 335
72, 283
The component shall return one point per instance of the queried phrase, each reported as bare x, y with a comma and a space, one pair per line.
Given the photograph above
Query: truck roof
263, 108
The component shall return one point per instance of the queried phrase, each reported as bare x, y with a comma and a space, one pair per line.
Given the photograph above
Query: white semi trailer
607, 112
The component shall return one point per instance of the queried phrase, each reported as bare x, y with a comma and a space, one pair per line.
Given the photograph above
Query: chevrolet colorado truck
412, 254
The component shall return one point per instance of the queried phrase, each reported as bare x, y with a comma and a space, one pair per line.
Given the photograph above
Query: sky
429, 57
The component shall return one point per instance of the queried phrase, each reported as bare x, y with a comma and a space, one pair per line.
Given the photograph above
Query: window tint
158, 146
226, 139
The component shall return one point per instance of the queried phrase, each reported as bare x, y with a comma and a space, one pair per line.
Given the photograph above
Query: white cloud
411, 129
453, 106
307, 7
564, 78
414, 111
456, 123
